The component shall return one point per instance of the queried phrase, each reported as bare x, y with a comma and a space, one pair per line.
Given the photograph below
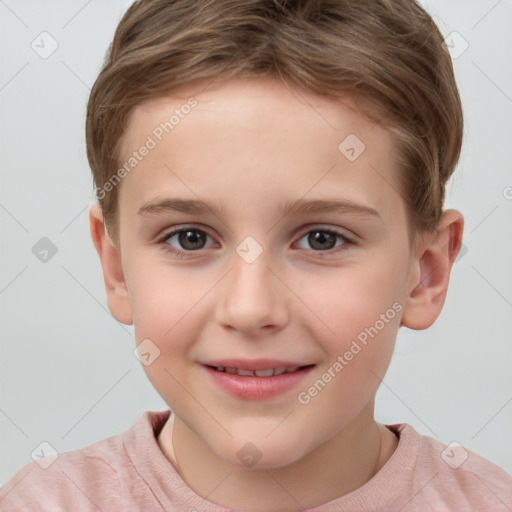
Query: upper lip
254, 364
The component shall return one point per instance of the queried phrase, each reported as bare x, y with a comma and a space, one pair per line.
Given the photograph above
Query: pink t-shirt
129, 472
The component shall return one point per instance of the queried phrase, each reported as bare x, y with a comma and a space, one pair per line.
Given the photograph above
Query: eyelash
169, 249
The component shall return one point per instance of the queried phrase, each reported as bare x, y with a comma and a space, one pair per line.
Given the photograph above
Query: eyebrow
297, 207
301, 206
158, 206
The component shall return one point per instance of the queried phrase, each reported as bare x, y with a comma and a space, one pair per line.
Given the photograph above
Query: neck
340, 465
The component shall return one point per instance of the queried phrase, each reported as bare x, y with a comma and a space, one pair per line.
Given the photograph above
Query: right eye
189, 240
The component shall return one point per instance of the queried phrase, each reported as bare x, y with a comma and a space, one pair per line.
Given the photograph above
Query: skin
251, 145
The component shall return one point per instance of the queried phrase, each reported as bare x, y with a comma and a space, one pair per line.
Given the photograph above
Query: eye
322, 239
188, 239
185, 240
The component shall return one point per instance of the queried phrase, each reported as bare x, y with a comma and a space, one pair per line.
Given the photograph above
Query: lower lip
257, 388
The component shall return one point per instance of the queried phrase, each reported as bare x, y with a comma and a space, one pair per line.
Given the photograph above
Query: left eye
324, 239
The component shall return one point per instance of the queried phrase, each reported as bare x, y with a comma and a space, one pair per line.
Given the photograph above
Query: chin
264, 455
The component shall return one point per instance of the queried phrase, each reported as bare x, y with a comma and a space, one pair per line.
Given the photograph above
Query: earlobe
431, 273
115, 284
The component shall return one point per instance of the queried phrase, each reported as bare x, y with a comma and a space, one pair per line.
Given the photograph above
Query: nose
251, 299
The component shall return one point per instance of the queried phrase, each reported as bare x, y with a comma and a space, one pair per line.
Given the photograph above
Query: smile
262, 383
270, 372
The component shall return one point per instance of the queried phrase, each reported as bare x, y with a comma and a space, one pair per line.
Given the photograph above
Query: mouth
267, 372
261, 380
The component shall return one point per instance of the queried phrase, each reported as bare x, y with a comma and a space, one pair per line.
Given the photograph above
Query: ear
110, 257
433, 260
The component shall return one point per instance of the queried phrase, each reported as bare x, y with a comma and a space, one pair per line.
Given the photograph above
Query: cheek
365, 320
170, 308
165, 305
162, 297
349, 300
360, 313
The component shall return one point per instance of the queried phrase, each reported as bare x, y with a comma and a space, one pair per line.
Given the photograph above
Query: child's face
247, 149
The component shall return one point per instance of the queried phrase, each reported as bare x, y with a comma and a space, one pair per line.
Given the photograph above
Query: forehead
255, 105
253, 138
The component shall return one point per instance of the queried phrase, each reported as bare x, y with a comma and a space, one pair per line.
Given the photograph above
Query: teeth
264, 373
258, 373
246, 373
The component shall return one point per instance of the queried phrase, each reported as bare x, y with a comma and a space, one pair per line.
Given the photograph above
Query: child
257, 131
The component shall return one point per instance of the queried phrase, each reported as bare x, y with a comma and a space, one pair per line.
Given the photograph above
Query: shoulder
83, 479
455, 476
74, 479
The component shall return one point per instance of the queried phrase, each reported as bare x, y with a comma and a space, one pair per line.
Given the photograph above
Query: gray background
68, 374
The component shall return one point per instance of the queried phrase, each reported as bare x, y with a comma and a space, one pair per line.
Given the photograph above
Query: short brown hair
389, 52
